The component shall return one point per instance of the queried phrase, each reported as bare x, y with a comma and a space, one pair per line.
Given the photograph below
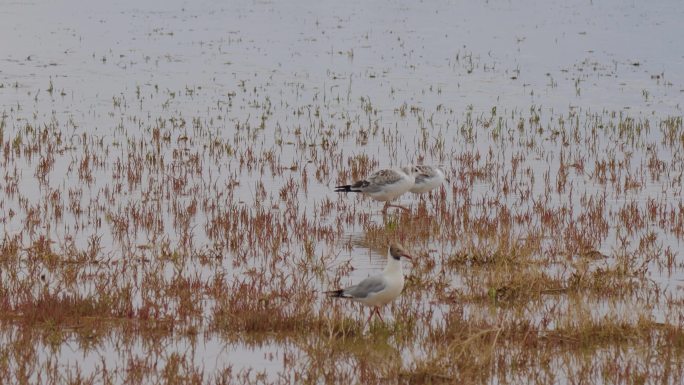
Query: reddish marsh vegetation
557, 236
163, 228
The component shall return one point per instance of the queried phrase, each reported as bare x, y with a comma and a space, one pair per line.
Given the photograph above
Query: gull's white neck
393, 266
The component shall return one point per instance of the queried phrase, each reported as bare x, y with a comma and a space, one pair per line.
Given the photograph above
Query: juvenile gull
427, 178
384, 185
380, 289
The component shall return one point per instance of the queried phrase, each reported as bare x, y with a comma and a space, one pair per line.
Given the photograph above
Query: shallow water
133, 131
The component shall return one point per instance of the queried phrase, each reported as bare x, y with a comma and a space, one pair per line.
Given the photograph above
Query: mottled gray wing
379, 179
420, 178
360, 185
368, 286
428, 170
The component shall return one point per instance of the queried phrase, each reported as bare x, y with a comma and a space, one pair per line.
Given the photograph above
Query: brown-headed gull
380, 289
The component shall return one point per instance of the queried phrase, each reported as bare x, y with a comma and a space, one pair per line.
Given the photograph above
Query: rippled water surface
168, 211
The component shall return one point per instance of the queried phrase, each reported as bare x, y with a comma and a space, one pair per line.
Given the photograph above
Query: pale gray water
119, 68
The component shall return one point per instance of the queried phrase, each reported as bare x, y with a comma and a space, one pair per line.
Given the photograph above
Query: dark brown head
397, 251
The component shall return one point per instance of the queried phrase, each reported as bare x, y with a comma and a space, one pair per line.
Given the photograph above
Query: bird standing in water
427, 178
383, 185
380, 289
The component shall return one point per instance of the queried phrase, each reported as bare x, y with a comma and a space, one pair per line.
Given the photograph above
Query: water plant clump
158, 227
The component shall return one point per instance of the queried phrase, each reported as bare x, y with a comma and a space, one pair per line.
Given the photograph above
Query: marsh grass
175, 243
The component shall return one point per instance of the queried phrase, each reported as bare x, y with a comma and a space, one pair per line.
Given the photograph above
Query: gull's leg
384, 208
398, 206
369, 317
377, 311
